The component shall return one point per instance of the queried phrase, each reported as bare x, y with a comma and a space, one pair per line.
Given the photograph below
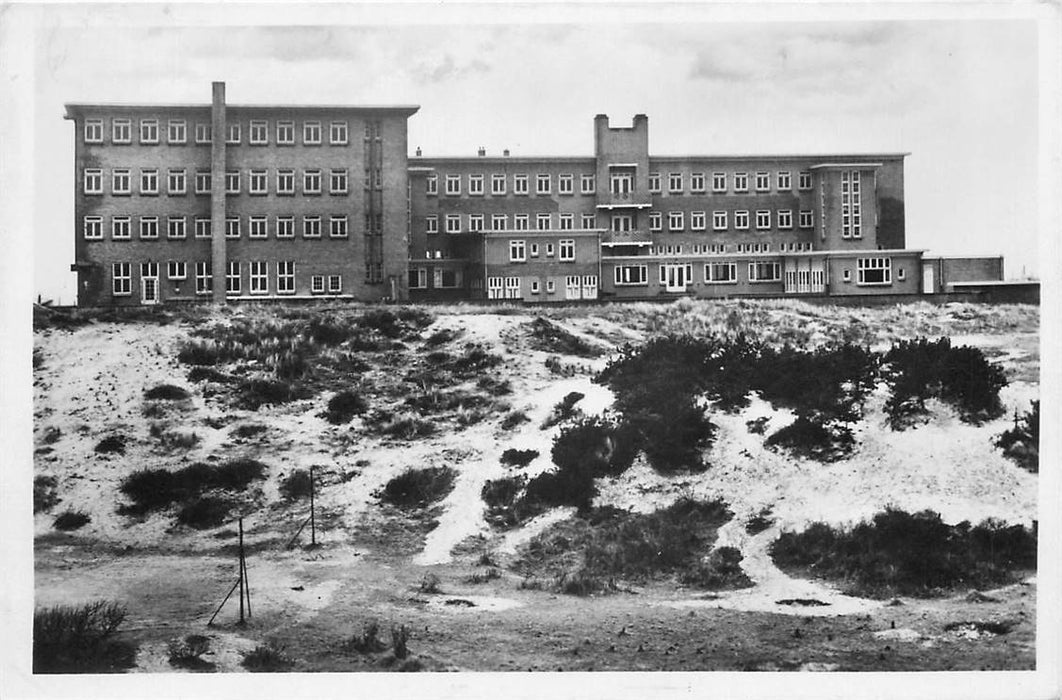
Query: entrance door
928, 287
149, 290
673, 277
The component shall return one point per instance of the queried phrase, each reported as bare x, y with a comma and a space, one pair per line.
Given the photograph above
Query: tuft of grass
248, 430
71, 520
554, 338
1022, 442
489, 574
252, 394
112, 444
81, 639
564, 410
419, 488
186, 653
407, 427
343, 406
166, 392
513, 419
759, 522
400, 641
44, 494
429, 584
208, 374
296, 485
368, 642
518, 458
268, 658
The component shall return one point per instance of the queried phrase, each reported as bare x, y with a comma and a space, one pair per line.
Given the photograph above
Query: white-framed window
698, 220
549, 250
234, 134
259, 277
338, 133
631, 275
446, 279
741, 219
533, 250
873, 271
453, 184
258, 132
622, 223
121, 131
92, 228
176, 270
497, 184
499, 222
718, 182
176, 181
285, 181
520, 184
543, 183
804, 180
535, 286
232, 182
513, 288
311, 227
149, 227
202, 227
93, 181
495, 287
204, 279
121, 279
311, 133
285, 277
567, 222
720, 273
93, 131
807, 218
453, 223
763, 219
475, 223
588, 221
257, 182
697, 182
202, 182
311, 182
176, 227
763, 182
551, 286
785, 218
654, 183
566, 184
177, 131
317, 284
257, 227
846, 275
765, 272
521, 222
674, 183
517, 251
203, 133
335, 284
285, 226
475, 185
785, 180
901, 274
588, 184
120, 181
286, 133
431, 224
232, 227
741, 182
418, 278
431, 185
676, 221
149, 181
566, 250
719, 220
233, 283
121, 229
542, 221
851, 205
337, 181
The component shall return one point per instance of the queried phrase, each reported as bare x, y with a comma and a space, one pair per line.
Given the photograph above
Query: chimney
482, 151
418, 152
506, 153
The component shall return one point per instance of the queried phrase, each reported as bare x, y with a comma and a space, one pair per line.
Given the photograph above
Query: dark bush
721, 571
328, 331
296, 485
187, 652
204, 513
255, 393
154, 489
518, 458
500, 496
44, 496
196, 352
564, 410
495, 386
513, 419
899, 553
1022, 442
111, 444
595, 444
814, 440
248, 430
419, 488
408, 428
166, 392
208, 374
368, 642
344, 406
400, 641
80, 639
266, 659
474, 360
552, 337
71, 520
440, 337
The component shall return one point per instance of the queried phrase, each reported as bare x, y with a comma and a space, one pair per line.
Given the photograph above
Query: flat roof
74, 107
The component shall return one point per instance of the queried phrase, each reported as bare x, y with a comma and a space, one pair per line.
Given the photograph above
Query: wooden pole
241, 571
247, 586
223, 603
313, 523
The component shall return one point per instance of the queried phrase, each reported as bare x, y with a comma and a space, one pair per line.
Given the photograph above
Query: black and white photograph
520, 350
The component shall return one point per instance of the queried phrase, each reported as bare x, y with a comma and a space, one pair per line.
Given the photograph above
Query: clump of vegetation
208, 374
489, 574
51, 435
551, 337
71, 520
429, 584
759, 522
343, 406
518, 458
962, 377
205, 512
1022, 442
268, 658
112, 444
156, 489
403, 427
166, 392
44, 494
254, 393
441, 337
405, 322
187, 652
494, 386
80, 639
900, 553
248, 430
810, 438
173, 440
400, 641
419, 488
513, 419
296, 485
368, 642
564, 410
500, 495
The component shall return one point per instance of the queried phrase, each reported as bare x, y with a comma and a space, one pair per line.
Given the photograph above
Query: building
304, 202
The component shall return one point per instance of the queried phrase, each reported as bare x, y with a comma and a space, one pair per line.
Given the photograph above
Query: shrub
429, 584
399, 641
51, 435
344, 406
500, 495
71, 520
564, 410
408, 428
395, 325
368, 642
249, 430
489, 575
899, 553
815, 440
266, 659
518, 458
551, 337
200, 353
185, 653
495, 386
440, 337
296, 485
44, 495
204, 513
419, 488
328, 330
513, 419
255, 393
166, 392
721, 571
111, 444
154, 489
80, 639
1022, 442
474, 361
582, 583
208, 374
759, 522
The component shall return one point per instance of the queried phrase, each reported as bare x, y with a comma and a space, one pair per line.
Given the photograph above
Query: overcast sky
960, 95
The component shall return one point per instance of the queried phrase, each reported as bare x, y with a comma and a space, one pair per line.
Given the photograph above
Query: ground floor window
259, 277
720, 272
874, 271
495, 287
121, 279
285, 277
335, 284
204, 279
232, 277
317, 284
176, 270
512, 288
446, 279
572, 289
765, 272
632, 275
418, 278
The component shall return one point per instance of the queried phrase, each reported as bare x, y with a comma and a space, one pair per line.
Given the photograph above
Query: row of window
698, 220
149, 132
177, 179
575, 287
149, 227
500, 222
869, 271
257, 274
722, 248
519, 250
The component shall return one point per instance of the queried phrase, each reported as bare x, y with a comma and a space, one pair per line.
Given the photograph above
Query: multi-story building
323, 201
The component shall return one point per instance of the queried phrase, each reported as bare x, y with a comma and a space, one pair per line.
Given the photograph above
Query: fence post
241, 571
313, 523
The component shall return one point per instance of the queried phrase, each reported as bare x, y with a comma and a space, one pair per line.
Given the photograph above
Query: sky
960, 95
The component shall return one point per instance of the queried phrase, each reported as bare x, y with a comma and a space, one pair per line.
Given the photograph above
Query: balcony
625, 199
614, 238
